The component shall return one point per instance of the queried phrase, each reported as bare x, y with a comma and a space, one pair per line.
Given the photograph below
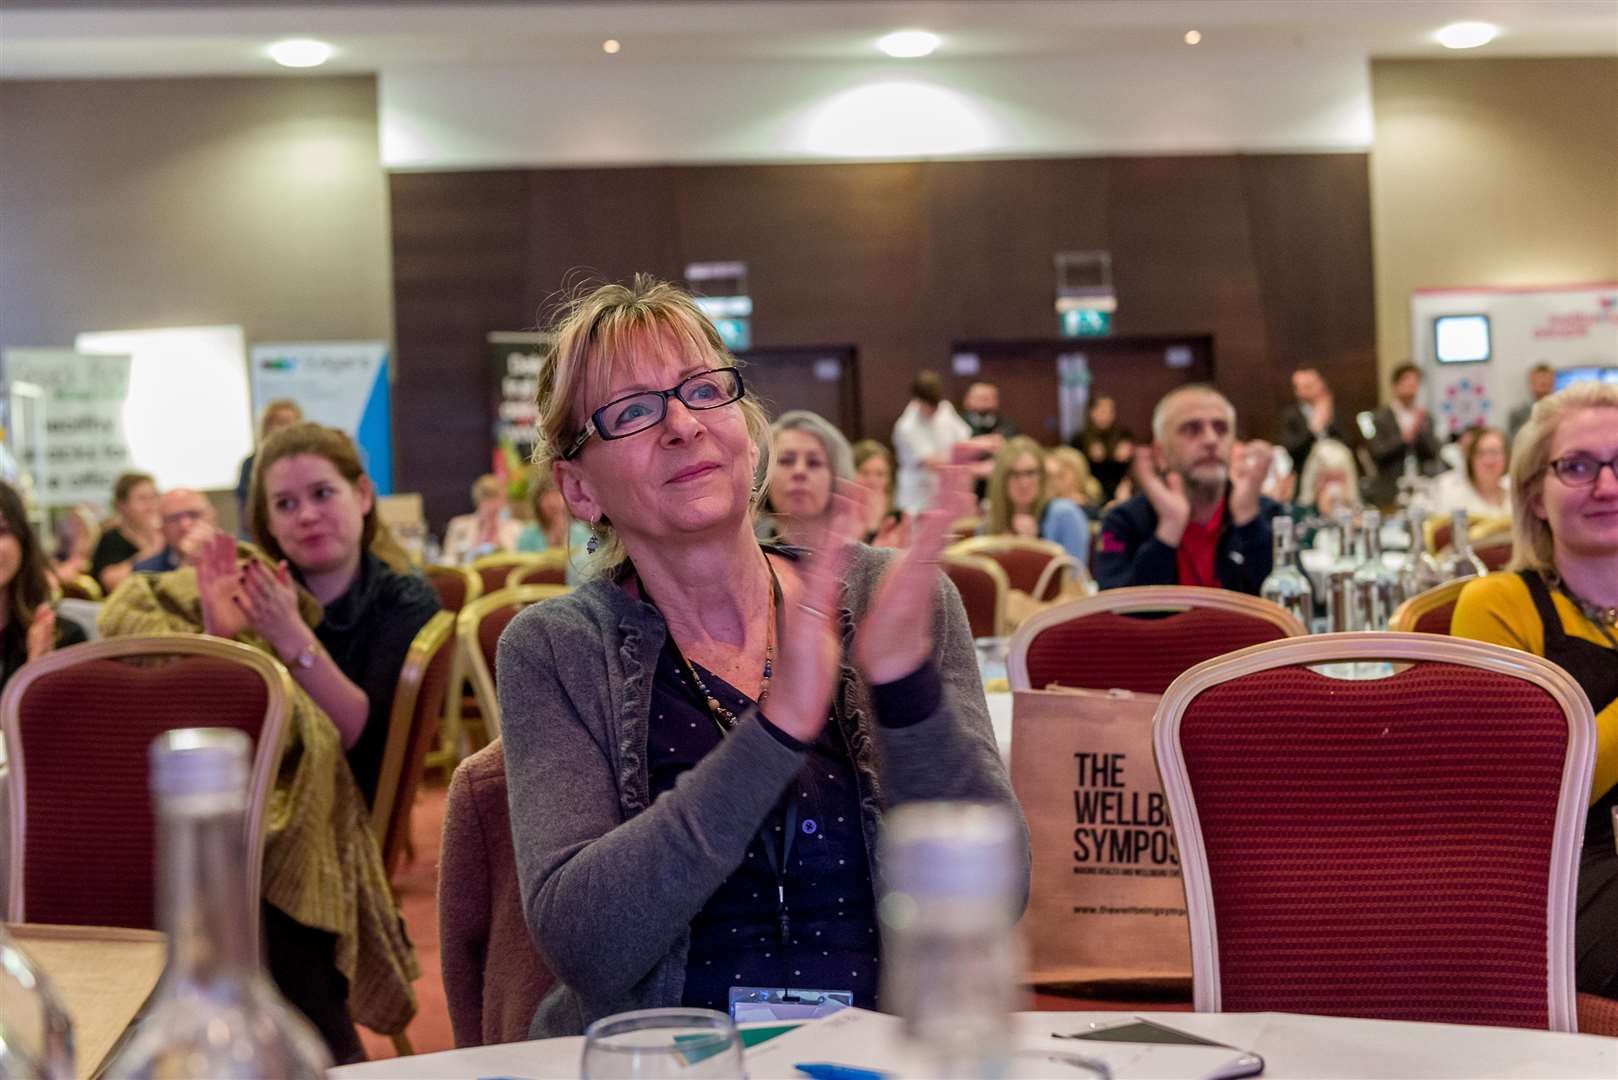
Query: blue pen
825, 1070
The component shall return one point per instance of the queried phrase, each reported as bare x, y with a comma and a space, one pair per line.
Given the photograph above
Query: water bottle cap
200, 761
950, 851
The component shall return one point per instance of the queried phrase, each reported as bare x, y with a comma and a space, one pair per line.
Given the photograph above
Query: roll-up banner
343, 384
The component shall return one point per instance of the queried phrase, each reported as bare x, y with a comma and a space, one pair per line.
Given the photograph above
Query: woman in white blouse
1479, 487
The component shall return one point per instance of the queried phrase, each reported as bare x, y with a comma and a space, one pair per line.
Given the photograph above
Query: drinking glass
653, 1044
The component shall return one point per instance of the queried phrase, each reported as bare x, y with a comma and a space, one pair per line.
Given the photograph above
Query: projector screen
188, 418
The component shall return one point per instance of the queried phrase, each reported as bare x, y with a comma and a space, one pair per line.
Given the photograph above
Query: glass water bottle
215, 1013
1460, 562
36, 1034
1286, 585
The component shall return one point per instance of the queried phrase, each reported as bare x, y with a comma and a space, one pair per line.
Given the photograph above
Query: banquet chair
547, 567
418, 703
79, 724
1495, 553
983, 586
1428, 612
492, 570
477, 632
1041, 568
1101, 642
456, 587
1399, 847
493, 975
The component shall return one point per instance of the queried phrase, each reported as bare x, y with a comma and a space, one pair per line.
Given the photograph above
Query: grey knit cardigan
610, 879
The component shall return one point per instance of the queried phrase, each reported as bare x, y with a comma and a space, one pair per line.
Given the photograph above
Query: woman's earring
595, 538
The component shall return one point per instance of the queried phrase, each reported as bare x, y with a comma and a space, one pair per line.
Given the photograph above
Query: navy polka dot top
830, 935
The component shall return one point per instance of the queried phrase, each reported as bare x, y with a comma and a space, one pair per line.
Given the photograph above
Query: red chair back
1106, 650
1023, 566
451, 584
1436, 620
537, 575
982, 591
1442, 532
79, 733
1398, 848
1494, 555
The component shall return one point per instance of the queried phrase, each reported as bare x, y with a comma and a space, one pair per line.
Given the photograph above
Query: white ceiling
71, 39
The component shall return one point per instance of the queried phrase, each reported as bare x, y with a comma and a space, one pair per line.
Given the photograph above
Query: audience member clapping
134, 533
1020, 506
809, 455
1330, 480
1200, 518
29, 627
187, 522
1561, 602
487, 530
885, 524
646, 879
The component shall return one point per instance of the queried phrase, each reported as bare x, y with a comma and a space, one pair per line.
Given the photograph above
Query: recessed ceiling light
300, 52
1467, 35
1193, 36
611, 46
908, 44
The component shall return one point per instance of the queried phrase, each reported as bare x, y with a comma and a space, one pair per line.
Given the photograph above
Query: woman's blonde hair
1532, 544
1328, 455
999, 519
1079, 465
595, 334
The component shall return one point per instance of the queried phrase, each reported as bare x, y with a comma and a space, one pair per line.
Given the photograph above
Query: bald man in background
186, 515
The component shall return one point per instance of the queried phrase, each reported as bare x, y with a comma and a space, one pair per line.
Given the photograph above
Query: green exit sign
1086, 323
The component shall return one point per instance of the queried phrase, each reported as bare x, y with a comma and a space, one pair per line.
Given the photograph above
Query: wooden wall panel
1270, 255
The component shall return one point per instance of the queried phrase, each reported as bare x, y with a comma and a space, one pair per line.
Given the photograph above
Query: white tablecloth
1000, 716
1293, 1046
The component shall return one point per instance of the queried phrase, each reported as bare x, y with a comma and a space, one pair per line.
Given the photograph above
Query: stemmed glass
655, 1044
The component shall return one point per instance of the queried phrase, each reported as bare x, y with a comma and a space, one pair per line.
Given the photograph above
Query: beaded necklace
722, 717
1604, 619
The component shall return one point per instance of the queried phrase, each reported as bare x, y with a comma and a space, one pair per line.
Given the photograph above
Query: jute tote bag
1107, 904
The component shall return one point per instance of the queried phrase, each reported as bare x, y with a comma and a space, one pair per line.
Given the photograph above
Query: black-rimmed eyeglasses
1582, 470
641, 411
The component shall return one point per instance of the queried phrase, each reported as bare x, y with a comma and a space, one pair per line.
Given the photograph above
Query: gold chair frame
471, 653
1060, 561
1002, 584
1408, 614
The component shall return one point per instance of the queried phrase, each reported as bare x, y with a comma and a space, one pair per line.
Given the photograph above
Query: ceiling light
1467, 35
300, 52
908, 44
611, 46
1193, 36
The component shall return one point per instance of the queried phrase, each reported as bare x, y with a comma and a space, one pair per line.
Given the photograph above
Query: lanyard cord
724, 720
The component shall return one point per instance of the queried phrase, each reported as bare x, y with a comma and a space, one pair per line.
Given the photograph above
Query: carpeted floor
417, 887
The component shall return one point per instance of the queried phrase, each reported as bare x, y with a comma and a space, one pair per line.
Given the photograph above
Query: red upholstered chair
418, 704
545, 568
455, 585
1402, 848
477, 632
79, 724
493, 977
1100, 643
1040, 568
983, 587
1428, 612
1496, 553
493, 570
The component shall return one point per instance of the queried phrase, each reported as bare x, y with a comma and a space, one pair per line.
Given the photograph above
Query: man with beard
1199, 518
